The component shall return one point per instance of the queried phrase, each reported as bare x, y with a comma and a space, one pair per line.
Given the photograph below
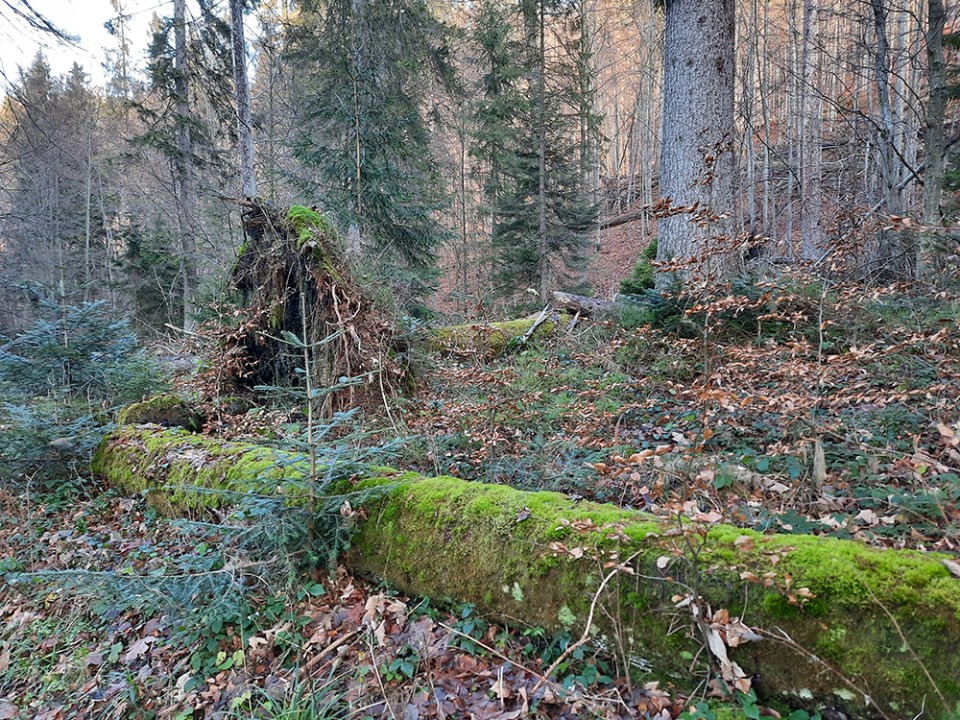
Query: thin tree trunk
934, 145
354, 232
545, 264
183, 167
811, 234
769, 198
248, 177
87, 231
886, 132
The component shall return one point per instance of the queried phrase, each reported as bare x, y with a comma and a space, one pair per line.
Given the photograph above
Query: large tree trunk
934, 143
696, 154
248, 177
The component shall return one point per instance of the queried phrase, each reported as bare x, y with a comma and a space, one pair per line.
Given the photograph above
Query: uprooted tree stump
298, 290
832, 623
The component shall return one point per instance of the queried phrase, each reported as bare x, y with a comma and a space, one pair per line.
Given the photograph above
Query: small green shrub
642, 277
57, 381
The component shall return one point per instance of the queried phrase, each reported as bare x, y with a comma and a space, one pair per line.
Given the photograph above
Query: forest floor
824, 411
810, 409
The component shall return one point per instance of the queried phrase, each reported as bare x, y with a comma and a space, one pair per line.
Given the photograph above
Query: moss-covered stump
841, 622
181, 471
491, 338
166, 410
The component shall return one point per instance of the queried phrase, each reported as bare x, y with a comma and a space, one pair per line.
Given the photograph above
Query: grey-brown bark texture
248, 178
696, 156
934, 143
183, 165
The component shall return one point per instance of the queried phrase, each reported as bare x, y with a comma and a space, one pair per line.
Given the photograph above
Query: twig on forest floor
315, 660
376, 672
589, 624
500, 655
541, 679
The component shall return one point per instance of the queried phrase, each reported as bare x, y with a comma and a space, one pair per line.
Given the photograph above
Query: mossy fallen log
871, 633
171, 465
492, 338
166, 410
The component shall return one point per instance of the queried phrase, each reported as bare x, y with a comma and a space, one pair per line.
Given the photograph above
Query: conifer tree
530, 138
367, 68
52, 230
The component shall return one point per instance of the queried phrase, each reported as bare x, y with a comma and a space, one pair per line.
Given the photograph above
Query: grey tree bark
696, 154
811, 125
934, 142
248, 177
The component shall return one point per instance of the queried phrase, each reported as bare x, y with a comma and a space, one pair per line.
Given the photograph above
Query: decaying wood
582, 304
622, 219
544, 314
828, 610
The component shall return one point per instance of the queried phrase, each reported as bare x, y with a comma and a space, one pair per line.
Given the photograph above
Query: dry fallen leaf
381, 633
8, 709
138, 649
953, 567
508, 715
374, 606
500, 690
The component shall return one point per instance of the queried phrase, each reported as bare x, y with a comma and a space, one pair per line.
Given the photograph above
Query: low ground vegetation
791, 407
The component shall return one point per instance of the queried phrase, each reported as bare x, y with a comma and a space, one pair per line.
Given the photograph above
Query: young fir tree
367, 68
535, 132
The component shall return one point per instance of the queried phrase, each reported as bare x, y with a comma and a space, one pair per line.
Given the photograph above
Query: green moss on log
833, 611
170, 464
490, 338
491, 546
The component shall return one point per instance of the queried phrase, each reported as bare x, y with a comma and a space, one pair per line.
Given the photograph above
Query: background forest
491, 152
269, 257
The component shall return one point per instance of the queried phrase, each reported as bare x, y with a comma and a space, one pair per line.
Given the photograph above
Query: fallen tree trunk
583, 304
622, 219
871, 633
492, 338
